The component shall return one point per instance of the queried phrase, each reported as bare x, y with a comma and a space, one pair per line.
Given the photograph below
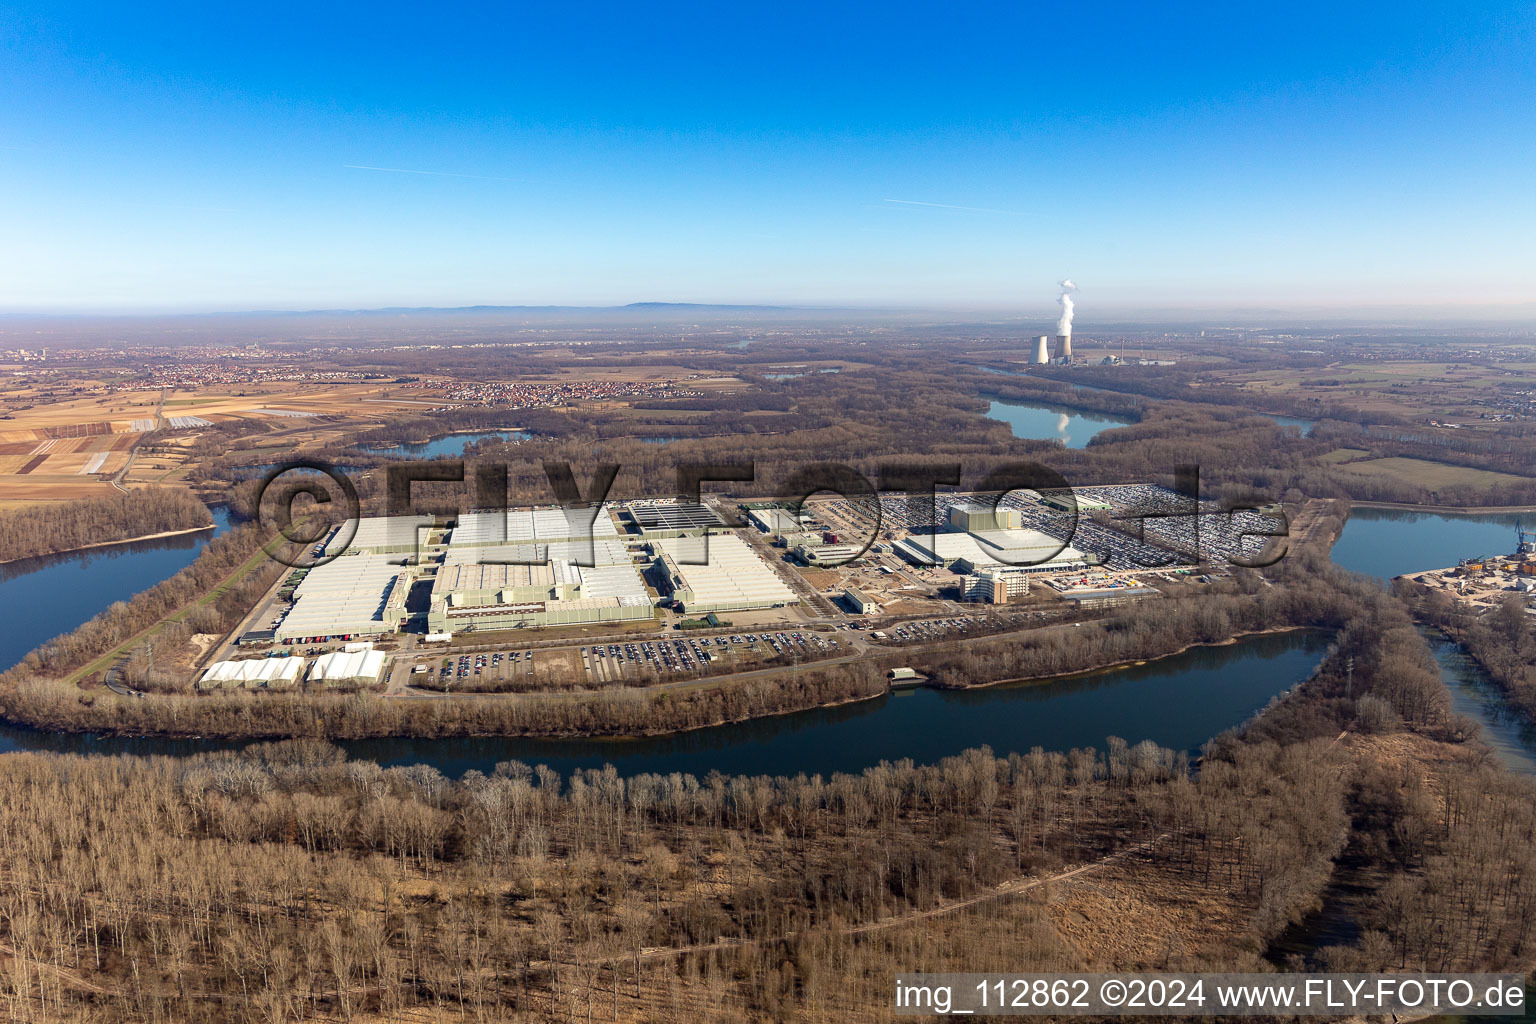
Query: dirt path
1002, 891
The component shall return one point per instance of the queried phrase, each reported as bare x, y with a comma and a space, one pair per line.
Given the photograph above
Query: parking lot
685, 656
479, 668
1164, 517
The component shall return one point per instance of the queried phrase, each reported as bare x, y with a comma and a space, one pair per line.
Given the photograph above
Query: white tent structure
272, 673
348, 668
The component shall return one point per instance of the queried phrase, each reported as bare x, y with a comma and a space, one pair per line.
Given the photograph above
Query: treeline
48, 704
1174, 383
34, 530
123, 619
867, 420
286, 882
1135, 632
1502, 641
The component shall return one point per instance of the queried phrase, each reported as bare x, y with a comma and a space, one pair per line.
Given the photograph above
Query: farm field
59, 447
1449, 390
1431, 474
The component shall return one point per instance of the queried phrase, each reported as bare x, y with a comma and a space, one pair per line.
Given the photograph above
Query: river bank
1446, 510
1124, 663
982, 662
1178, 702
111, 543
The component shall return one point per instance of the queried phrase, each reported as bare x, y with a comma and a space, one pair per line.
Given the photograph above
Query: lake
1071, 427
1178, 702
442, 445
1387, 542
41, 598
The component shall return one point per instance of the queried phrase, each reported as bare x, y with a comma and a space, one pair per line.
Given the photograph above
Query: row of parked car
686, 655
479, 663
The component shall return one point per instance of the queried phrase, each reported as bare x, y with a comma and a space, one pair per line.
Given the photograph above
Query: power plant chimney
1042, 351
1064, 325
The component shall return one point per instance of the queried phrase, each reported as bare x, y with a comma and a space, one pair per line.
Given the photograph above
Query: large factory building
734, 579
981, 538
536, 585
362, 592
543, 567
523, 568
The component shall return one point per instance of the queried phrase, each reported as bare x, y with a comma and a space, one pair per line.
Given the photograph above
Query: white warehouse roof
262, 671
348, 667
734, 577
349, 595
532, 525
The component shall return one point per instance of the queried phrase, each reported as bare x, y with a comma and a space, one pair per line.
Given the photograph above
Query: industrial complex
532, 567
649, 565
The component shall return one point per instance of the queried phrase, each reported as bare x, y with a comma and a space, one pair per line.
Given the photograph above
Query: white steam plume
1064, 300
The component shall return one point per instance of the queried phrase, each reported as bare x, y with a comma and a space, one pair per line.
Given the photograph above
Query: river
1303, 425
1176, 702
1388, 542
41, 598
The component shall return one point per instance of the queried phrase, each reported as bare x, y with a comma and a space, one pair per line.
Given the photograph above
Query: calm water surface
40, 598
1178, 702
1474, 694
1385, 542
446, 444
1071, 427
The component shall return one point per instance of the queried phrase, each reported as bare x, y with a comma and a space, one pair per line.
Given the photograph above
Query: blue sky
216, 156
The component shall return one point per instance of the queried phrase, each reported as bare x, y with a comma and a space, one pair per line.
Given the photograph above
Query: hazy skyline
356, 157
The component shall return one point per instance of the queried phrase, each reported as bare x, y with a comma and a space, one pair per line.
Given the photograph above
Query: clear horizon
196, 160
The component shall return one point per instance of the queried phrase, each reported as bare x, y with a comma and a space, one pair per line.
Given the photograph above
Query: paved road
863, 648
117, 478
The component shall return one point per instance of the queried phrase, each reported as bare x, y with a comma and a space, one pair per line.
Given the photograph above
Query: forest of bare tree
286, 883
30, 531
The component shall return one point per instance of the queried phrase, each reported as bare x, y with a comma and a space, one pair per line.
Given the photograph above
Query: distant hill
633, 307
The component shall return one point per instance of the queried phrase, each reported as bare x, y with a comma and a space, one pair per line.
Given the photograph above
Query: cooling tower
1042, 351
1064, 347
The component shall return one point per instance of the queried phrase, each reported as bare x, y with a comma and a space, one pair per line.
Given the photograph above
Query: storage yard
1485, 582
